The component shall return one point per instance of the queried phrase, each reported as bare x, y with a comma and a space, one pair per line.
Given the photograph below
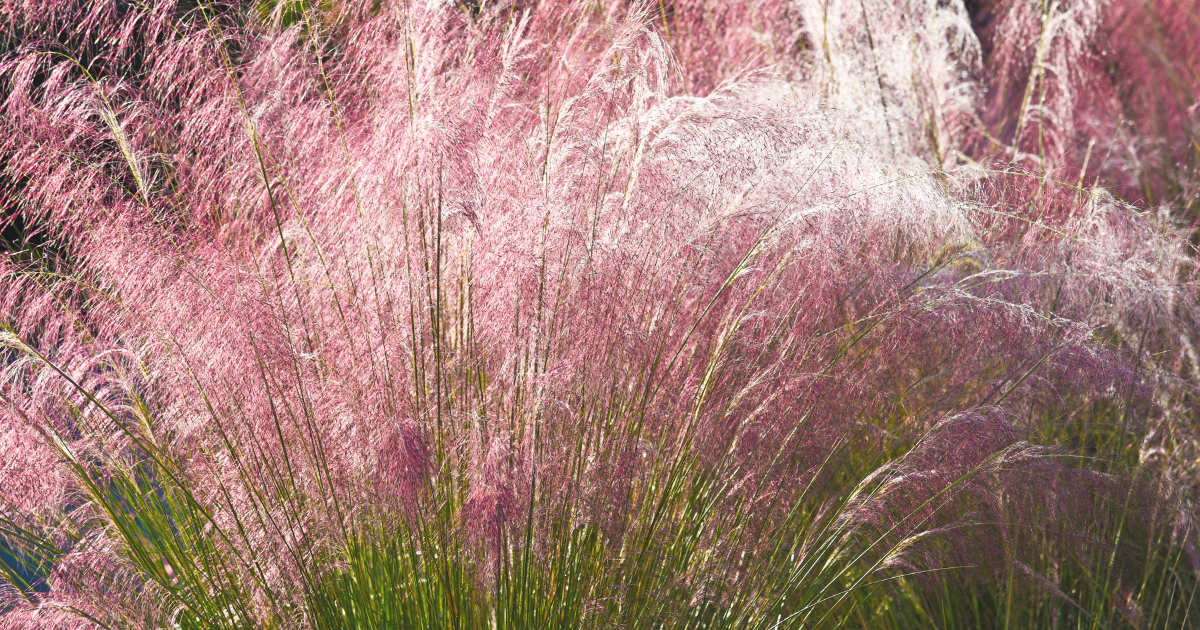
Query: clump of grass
496, 315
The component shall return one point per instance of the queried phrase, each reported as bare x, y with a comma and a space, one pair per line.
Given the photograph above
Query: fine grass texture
576, 314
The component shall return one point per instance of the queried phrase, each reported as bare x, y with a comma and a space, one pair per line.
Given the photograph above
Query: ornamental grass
598, 314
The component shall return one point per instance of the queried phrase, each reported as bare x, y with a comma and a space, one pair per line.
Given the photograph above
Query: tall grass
575, 314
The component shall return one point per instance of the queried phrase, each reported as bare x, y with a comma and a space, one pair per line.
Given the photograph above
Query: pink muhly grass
1105, 96
716, 293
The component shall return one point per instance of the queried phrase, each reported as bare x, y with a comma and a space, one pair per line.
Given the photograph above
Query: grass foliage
574, 314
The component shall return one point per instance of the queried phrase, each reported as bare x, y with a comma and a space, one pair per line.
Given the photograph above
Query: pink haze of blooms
539, 247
